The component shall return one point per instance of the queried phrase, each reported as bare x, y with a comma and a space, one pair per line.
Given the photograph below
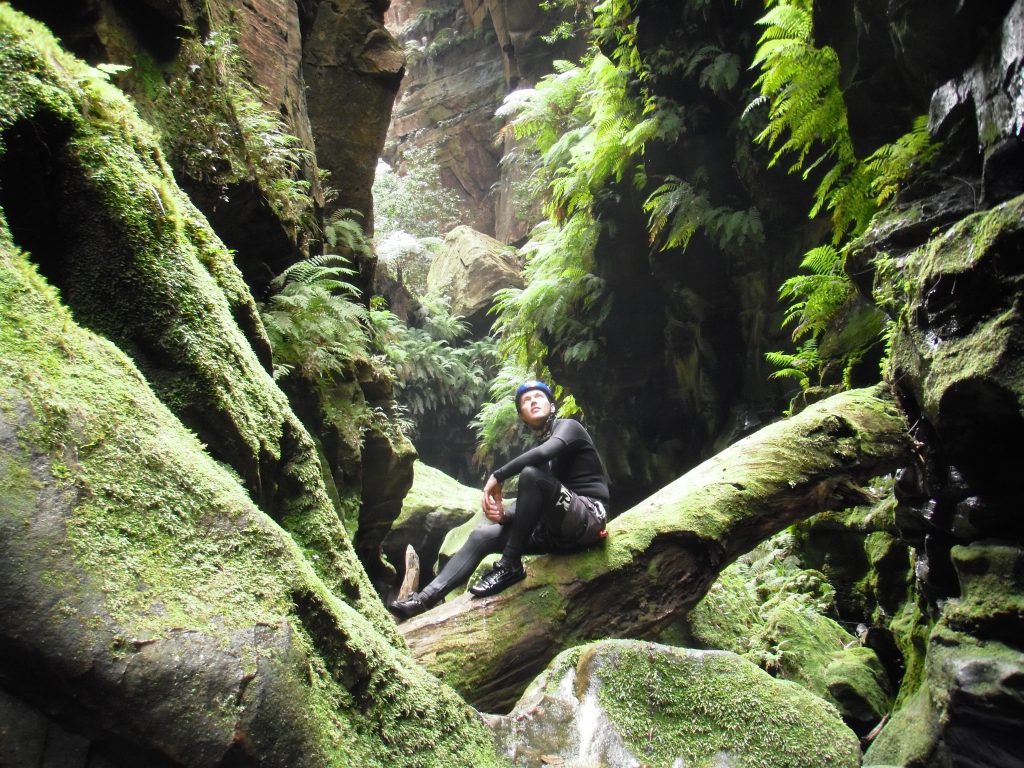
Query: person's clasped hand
491, 503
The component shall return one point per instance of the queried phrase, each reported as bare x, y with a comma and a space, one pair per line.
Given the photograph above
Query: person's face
534, 408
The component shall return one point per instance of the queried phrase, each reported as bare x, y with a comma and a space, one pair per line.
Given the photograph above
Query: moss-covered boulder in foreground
631, 703
86, 192
151, 611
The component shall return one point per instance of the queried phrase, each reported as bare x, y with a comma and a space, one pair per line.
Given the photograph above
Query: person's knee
483, 535
530, 476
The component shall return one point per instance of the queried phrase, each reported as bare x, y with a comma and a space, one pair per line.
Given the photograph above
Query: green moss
695, 709
150, 275
175, 542
909, 737
432, 489
987, 350
727, 617
138, 535
991, 579
17, 488
910, 628
855, 680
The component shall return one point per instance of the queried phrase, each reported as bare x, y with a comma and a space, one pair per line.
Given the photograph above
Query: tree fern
438, 379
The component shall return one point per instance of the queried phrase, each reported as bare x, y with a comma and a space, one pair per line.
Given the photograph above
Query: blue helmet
526, 386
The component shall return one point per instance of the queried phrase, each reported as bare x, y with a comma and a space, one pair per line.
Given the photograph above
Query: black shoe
500, 577
413, 605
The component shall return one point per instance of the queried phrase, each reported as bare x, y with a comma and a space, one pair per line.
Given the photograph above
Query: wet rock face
893, 55
949, 256
466, 56
991, 91
957, 367
351, 68
625, 703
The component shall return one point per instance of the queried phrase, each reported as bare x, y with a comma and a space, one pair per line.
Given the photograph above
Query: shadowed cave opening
30, 175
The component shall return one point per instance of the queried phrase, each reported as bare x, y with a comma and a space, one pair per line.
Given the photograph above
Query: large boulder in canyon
469, 269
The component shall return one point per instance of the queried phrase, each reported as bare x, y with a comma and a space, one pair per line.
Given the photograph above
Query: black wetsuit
563, 492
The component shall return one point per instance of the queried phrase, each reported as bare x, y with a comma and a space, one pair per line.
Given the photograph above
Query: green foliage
677, 210
562, 301
408, 258
223, 134
344, 233
807, 114
315, 323
437, 380
586, 128
799, 366
414, 201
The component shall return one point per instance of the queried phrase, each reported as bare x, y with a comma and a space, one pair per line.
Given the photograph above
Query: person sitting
561, 505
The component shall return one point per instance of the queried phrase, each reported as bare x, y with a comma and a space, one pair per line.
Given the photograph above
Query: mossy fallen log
662, 555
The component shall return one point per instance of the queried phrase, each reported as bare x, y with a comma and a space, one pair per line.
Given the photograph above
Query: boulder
628, 703
435, 505
470, 268
776, 614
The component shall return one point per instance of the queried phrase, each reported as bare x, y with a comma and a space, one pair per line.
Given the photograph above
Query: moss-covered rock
137, 263
141, 583
148, 604
770, 610
627, 703
957, 365
435, 506
971, 685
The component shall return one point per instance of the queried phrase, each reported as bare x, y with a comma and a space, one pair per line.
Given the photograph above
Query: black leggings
536, 510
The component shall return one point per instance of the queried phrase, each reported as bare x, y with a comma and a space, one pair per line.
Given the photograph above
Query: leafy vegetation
414, 201
440, 379
408, 258
589, 126
807, 118
315, 323
223, 134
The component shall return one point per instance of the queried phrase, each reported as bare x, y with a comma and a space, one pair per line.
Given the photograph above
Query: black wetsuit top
574, 460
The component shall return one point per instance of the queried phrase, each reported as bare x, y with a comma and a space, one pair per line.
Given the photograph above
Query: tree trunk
662, 555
